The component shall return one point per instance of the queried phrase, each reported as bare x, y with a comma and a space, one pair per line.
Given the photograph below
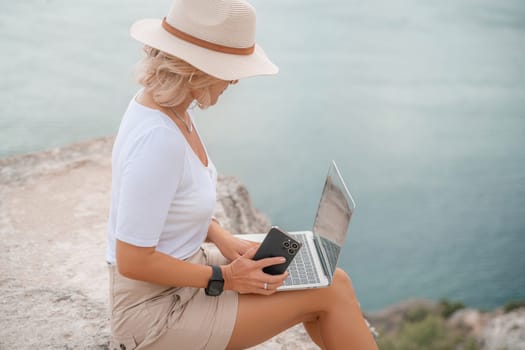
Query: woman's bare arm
243, 275
148, 264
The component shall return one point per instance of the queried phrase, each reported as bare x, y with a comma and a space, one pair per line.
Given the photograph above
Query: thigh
189, 319
261, 317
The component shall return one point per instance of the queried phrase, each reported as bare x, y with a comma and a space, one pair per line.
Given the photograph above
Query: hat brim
220, 65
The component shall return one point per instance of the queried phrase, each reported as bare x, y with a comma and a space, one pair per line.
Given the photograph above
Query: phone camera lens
295, 245
286, 244
291, 251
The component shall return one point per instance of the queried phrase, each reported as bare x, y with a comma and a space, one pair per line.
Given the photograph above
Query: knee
343, 284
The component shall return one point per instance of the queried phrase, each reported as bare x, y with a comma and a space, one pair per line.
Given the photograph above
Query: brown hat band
206, 44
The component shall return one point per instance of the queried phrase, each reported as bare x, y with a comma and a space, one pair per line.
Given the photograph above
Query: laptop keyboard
301, 269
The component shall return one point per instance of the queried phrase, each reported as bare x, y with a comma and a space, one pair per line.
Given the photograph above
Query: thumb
250, 253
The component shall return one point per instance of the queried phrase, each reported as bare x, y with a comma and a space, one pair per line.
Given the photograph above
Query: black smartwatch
216, 283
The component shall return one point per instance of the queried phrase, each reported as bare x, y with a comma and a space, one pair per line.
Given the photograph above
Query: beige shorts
149, 316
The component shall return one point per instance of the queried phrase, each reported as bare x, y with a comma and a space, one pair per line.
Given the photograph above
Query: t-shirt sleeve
150, 177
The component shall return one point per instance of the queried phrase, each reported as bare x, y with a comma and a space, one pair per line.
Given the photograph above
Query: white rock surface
471, 320
53, 278
505, 331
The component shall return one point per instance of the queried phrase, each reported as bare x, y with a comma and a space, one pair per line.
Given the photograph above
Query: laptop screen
333, 217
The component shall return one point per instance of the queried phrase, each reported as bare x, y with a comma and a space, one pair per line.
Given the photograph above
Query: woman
166, 291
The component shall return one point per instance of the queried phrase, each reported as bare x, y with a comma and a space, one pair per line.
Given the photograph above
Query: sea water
421, 103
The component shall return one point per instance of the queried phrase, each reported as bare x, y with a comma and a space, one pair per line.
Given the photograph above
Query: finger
252, 243
263, 291
270, 261
276, 279
235, 256
245, 245
268, 292
271, 283
273, 286
250, 253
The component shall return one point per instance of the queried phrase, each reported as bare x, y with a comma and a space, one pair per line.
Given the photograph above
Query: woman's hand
245, 275
232, 247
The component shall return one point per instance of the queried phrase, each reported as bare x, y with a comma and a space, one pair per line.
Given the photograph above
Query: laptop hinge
322, 257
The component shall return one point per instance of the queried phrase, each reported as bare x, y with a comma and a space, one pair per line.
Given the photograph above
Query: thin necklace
189, 126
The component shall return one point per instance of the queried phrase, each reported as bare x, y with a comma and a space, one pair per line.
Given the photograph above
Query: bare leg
314, 331
340, 324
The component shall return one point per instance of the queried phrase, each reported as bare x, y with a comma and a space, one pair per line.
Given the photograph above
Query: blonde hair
171, 80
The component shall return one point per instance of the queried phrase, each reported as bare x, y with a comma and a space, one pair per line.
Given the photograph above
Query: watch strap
216, 282
216, 274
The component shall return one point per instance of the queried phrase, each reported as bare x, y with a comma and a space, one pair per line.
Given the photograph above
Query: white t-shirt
161, 193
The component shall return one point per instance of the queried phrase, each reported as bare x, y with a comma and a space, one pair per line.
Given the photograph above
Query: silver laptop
315, 263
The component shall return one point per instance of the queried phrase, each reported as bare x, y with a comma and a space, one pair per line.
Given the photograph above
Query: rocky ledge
53, 278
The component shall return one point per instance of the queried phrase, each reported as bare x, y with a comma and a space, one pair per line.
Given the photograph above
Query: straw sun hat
215, 36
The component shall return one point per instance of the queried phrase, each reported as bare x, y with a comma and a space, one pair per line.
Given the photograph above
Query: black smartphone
277, 243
